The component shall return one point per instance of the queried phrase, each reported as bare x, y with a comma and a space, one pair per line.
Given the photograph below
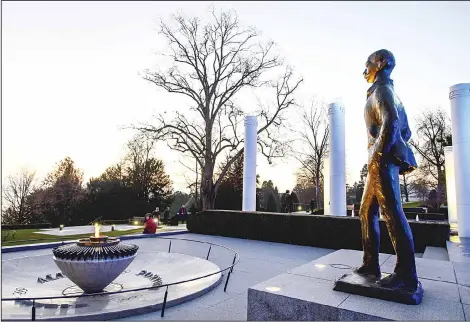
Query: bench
415, 210
139, 220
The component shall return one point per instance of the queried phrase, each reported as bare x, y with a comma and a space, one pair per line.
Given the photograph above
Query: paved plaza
259, 262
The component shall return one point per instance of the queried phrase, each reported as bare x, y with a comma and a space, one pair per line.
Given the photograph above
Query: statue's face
371, 69
373, 66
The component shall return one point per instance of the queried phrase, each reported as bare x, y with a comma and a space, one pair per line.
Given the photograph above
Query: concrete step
438, 253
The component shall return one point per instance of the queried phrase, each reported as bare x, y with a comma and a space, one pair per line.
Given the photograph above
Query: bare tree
138, 164
406, 182
433, 133
405, 188
212, 64
315, 146
191, 176
62, 192
15, 195
420, 187
141, 171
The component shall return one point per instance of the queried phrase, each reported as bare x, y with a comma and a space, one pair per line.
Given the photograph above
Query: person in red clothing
183, 214
150, 225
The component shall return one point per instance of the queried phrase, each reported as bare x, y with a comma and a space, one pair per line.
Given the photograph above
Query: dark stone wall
309, 230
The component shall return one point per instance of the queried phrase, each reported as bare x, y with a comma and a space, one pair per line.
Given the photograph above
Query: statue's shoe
393, 281
368, 271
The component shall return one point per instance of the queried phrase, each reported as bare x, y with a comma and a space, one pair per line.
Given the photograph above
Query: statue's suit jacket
390, 134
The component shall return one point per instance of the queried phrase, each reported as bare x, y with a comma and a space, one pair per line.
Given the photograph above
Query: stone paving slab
431, 308
218, 305
439, 253
444, 273
464, 294
233, 308
462, 273
459, 249
334, 265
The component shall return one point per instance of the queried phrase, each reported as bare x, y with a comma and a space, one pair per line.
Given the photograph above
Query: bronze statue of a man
389, 156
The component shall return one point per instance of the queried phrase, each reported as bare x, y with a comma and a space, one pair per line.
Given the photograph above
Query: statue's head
381, 61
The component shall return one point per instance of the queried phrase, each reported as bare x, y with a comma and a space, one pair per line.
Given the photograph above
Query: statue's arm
406, 132
390, 120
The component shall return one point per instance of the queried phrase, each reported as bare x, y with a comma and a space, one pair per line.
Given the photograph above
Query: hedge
411, 213
30, 226
444, 211
427, 216
309, 230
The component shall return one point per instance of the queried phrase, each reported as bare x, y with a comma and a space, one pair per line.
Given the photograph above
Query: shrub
271, 206
30, 226
319, 211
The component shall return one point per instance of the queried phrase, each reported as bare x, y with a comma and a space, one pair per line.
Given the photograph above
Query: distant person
312, 205
285, 202
156, 214
182, 213
289, 202
166, 216
150, 225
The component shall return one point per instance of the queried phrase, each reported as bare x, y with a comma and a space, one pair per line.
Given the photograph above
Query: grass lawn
412, 204
28, 236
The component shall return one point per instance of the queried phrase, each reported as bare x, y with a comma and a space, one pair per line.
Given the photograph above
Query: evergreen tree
61, 197
271, 207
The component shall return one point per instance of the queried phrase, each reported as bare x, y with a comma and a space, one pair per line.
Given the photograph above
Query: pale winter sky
70, 71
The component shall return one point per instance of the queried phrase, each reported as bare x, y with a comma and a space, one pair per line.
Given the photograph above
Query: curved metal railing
229, 268
94, 220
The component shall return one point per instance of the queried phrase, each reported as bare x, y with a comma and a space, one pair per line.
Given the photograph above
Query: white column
450, 184
249, 164
326, 185
337, 152
460, 114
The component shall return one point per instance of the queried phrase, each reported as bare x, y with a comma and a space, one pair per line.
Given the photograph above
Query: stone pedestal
360, 285
306, 293
93, 276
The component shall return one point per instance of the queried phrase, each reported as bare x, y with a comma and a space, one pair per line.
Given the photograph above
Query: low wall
309, 230
416, 210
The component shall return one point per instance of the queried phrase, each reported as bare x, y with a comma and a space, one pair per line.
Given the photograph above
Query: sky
70, 71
